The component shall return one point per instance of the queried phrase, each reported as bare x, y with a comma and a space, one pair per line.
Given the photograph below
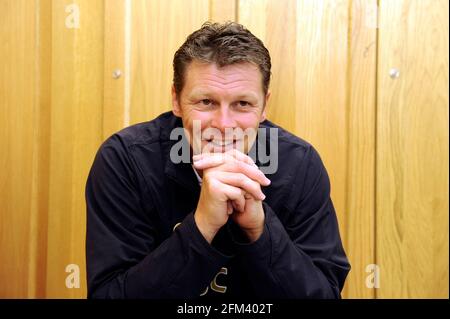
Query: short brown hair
222, 44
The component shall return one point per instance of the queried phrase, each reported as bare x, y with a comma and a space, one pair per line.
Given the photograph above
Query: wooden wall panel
253, 15
140, 40
223, 10
272, 22
383, 141
412, 152
41, 162
18, 116
321, 89
116, 104
76, 133
359, 233
158, 29
308, 43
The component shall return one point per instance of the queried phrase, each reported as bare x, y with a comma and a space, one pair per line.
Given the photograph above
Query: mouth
221, 143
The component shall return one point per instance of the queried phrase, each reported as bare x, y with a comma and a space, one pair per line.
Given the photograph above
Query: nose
223, 118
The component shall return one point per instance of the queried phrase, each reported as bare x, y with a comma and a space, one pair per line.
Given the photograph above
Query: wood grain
412, 150
18, 116
222, 10
359, 234
115, 112
76, 133
309, 47
158, 29
384, 141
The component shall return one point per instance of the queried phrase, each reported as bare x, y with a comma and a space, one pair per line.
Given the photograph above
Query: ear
176, 108
266, 102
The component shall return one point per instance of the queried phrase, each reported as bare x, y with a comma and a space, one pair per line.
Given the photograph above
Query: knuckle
239, 165
230, 157
221, 156
241, 178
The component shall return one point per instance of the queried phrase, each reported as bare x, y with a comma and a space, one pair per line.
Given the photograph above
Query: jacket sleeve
122, 257
303, 258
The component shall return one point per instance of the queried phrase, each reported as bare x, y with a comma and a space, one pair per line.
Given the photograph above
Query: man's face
217, 101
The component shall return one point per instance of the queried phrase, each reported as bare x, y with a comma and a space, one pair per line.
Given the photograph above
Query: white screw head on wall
116, 74
394, 73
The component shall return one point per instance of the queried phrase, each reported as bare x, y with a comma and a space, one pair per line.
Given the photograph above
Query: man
216, 226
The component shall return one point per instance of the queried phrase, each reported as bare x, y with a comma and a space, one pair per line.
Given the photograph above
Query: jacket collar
182, 173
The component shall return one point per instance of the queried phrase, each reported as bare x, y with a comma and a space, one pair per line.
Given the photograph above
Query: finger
232, 165
234, 205
247, 160
248, 196
242, 181
239, 205
200, 156
240, 208
233, 153
234, 194
241, 157
208, 161
230, 206
252, 172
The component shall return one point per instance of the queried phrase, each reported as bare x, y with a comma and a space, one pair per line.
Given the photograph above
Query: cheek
203, 117
248, 120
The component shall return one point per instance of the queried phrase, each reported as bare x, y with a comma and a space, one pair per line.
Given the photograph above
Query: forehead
234, 78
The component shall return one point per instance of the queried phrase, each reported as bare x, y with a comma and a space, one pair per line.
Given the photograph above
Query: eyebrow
197, 93
241, 96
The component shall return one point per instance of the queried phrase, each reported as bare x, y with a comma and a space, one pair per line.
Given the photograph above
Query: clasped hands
231, 188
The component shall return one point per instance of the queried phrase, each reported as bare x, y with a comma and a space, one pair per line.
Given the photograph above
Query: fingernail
196, 157
268, 181
263, 197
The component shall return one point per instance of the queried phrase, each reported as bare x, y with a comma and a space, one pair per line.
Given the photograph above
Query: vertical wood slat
253, 15
321, 89
272, 22
40, 180
158, 29
322, 97
114, 103
412, 153
308, 42
222, 10
281, 37
359, 235
18, 178
76, 132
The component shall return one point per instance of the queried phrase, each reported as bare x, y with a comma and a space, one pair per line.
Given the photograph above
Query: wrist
205, 229
254, 233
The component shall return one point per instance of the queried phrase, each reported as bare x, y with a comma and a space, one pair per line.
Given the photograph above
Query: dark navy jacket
136, 196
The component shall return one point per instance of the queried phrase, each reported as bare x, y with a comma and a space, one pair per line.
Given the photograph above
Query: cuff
260, 249
190, 229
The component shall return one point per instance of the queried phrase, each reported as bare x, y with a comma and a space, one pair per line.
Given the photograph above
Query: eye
243, 103
206, 102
